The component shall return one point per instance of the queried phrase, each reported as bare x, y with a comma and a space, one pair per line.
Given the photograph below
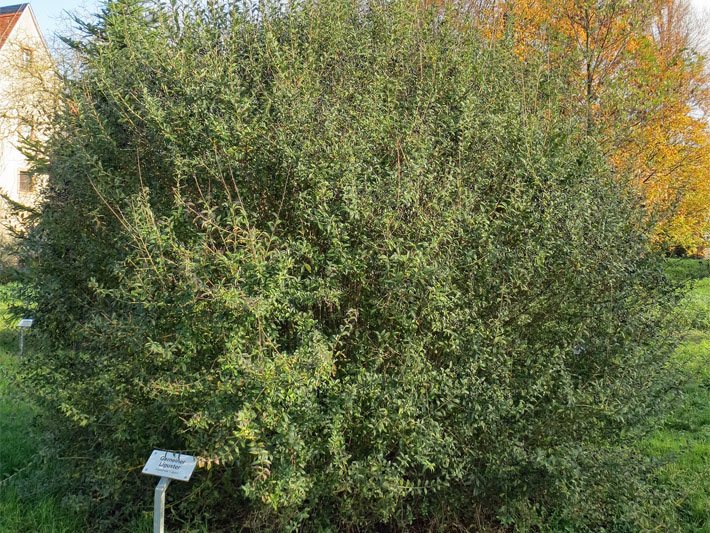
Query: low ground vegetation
682, 440
25, 502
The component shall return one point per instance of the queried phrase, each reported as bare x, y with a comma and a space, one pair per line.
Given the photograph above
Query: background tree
669, 150
637, 75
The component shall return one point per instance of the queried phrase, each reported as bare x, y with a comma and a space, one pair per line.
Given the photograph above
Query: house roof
9, 15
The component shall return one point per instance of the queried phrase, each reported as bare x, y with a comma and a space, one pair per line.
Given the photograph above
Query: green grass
24, 504
682, 443
682, 270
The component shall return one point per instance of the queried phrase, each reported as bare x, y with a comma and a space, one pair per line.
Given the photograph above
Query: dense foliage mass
365, 264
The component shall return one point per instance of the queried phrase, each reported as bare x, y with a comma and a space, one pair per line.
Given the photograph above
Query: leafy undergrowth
682, 443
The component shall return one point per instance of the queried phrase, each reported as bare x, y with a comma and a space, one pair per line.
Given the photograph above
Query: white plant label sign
171, 465
25, 323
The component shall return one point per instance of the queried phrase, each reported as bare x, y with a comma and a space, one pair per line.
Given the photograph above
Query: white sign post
167, 466
24, 325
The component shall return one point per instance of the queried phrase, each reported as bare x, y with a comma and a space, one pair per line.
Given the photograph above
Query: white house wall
12, 161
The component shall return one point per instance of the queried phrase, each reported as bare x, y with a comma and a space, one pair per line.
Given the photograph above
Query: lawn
24, 504
681, 444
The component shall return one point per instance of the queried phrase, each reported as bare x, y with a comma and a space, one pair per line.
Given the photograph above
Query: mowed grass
25, 505
682, 442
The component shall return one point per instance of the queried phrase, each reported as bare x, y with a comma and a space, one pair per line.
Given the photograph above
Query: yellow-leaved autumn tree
669, 150
638, 80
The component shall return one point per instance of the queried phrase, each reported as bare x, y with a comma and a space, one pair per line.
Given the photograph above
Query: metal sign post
24, 325
168, 466
159, 505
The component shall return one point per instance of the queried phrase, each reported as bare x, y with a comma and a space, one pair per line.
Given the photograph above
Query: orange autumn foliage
636, 78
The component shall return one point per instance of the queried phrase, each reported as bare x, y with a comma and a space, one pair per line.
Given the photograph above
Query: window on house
26, 57
27, 182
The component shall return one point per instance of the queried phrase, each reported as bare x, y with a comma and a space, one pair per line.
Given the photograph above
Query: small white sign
171, 465
25, 323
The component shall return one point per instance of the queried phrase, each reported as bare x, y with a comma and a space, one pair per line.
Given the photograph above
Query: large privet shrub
361, 261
